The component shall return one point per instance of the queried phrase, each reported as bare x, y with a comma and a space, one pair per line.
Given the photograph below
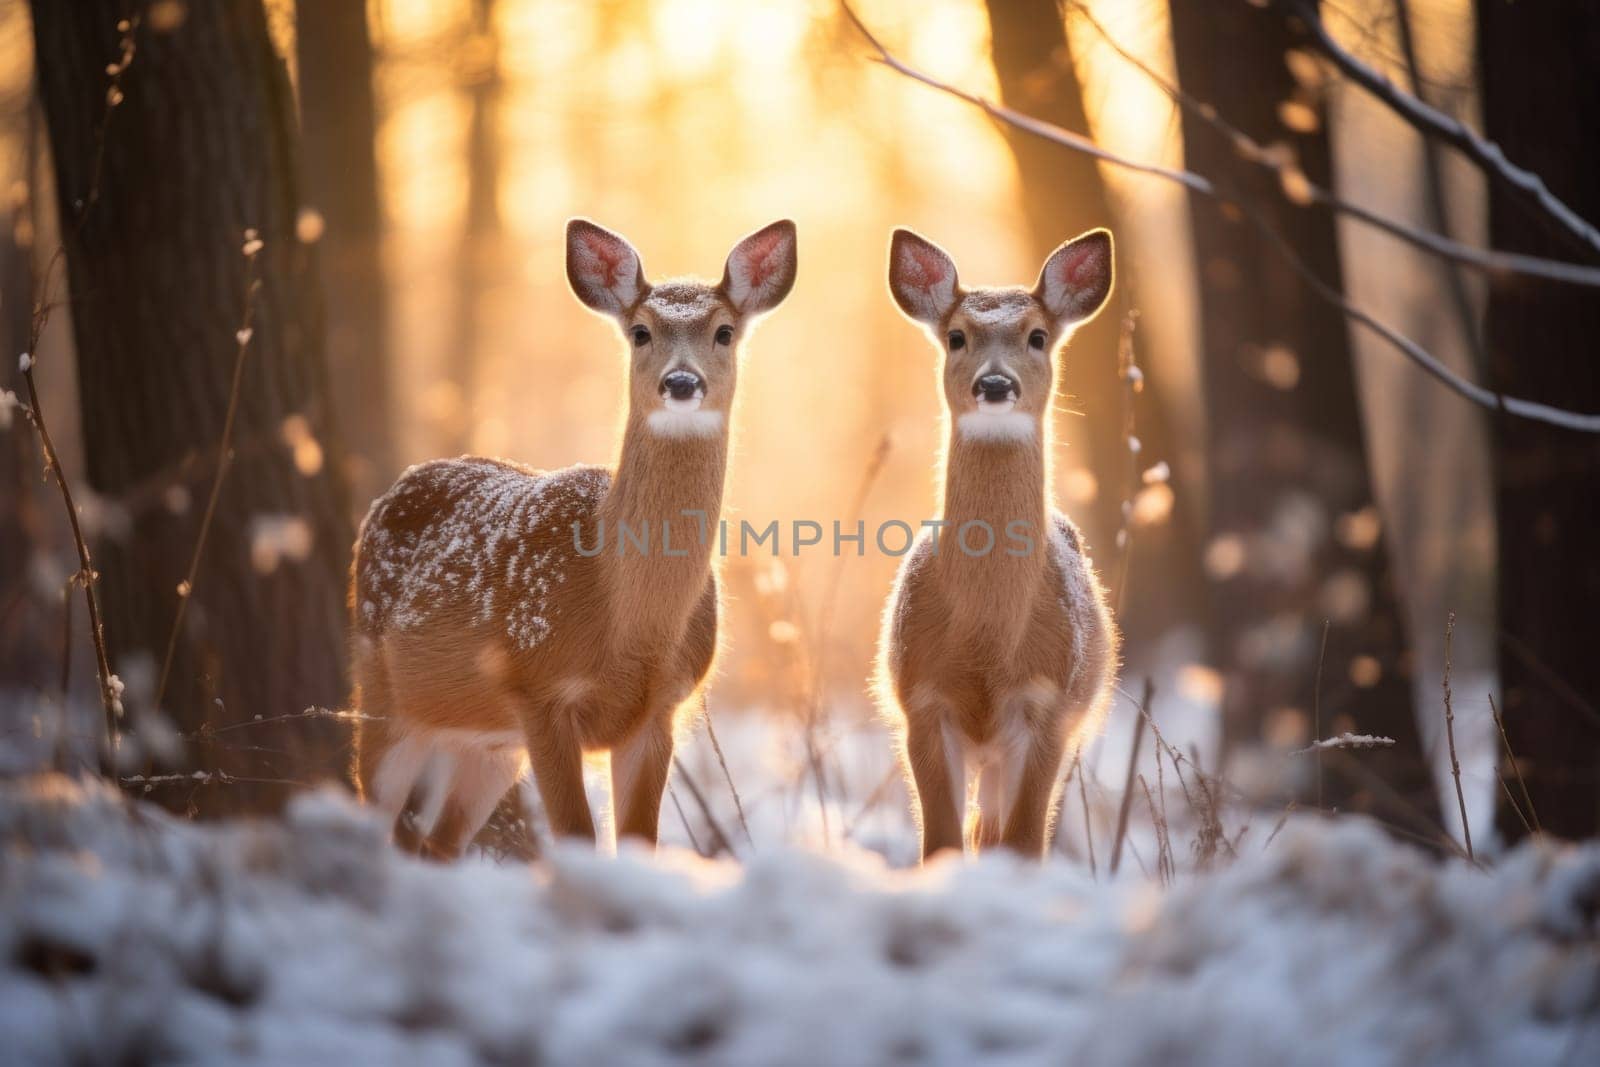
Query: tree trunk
477, 259
338, 126
1062, 196
201, 148
1541, 103
1292, 537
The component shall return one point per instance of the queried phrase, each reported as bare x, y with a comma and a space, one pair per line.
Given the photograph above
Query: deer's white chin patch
685, 422
998, 424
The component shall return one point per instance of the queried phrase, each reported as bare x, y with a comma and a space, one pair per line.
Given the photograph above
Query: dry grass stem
722, 842
727, 776
1088, 830
1516, 768
1127, 785
1450, 733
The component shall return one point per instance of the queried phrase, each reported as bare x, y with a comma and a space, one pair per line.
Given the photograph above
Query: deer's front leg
639, 769
938, 771
557, 760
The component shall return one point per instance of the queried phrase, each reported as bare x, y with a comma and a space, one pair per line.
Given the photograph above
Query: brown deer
504, 615
997, 648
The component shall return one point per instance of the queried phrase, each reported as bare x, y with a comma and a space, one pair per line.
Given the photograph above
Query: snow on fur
460, 532
133, 937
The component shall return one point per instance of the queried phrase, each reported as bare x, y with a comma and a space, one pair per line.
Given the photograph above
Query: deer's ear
602, 268
1076, 279
922, 277
761, 268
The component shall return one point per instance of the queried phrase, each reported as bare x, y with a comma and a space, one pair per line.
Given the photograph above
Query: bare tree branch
1488, 398
1253, 151
1528, 186
1587, 423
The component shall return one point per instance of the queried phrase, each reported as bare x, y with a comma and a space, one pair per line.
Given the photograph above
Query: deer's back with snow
505, 617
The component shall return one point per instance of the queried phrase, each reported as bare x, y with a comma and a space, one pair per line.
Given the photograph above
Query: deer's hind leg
639, 769
1027, 827
480, 777
389, 759
998, 784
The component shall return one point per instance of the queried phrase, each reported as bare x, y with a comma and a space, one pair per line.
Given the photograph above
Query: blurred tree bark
1294, 538
477, 256
338, 127
202, 147
1541, 103
27, 650
1062, 196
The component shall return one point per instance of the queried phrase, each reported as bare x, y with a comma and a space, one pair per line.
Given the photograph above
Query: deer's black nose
682, 385
996, 388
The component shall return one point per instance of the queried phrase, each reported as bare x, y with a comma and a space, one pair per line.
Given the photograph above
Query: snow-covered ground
132, 937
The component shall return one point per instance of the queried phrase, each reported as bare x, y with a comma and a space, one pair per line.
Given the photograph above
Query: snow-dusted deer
501, 614
997, 647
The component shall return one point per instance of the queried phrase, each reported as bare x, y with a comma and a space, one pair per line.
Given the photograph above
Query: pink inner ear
921, 268
759, 256
609, 257
1079, 266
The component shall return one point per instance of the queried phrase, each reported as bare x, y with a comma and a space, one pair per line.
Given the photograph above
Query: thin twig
694, 841
711, 732
1163, 842
1316, 705
1287, 811
252, 249
1127, 786
309, 713
824, 620
1160, 814
1211, 831
1490, 158
1487, 398
86, 576
1088, 831
1450, 733
722, 839
1516, 767
43, 304
1512, 800
869, 476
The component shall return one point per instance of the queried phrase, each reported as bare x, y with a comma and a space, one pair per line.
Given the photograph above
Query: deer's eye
1037, 339
641, 336
724, 335
958, 340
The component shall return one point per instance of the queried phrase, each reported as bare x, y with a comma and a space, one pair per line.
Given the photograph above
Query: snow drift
133, 937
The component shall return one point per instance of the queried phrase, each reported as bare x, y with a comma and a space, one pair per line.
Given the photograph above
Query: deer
505, 618
997, 649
